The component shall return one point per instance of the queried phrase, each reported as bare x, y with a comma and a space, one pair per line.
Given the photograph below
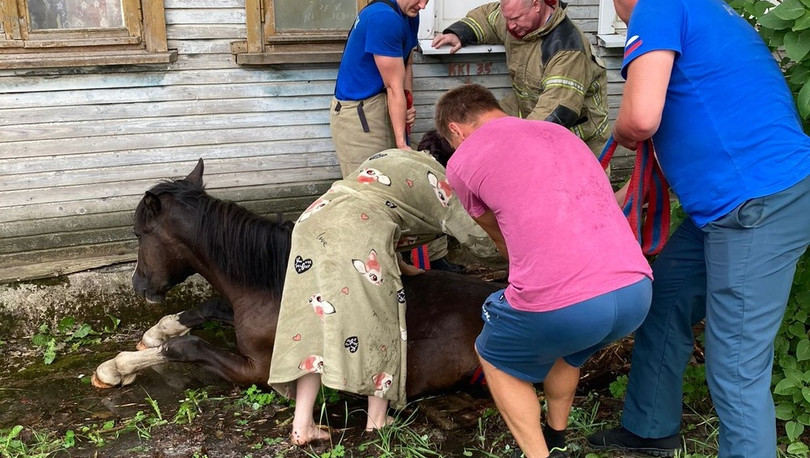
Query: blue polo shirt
380, 29
729, 131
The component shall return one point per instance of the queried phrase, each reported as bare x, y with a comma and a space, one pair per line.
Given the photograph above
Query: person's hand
408, 269
410, 116
447, 39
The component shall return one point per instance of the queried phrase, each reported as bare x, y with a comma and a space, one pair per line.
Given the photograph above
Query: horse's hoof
98, 383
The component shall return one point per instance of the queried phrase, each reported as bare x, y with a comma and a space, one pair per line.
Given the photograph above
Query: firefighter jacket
554, 72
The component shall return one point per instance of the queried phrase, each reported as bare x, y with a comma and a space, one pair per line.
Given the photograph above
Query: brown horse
182, 230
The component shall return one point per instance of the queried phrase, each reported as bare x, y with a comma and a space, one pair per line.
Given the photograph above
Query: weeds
69, 334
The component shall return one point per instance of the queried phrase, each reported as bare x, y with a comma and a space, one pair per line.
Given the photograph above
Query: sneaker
444, 264
555, 452
623, 440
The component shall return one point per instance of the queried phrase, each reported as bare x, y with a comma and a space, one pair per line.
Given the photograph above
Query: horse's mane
247, 248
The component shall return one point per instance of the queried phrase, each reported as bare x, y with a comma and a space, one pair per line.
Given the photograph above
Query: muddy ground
176, 410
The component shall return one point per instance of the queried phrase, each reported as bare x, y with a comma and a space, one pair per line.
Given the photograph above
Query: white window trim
428, 23
609, 35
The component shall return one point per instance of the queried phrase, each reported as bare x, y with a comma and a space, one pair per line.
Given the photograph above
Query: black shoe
623, 440
444, 264
555, 452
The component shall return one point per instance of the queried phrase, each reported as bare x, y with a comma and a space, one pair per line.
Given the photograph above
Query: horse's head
163, 225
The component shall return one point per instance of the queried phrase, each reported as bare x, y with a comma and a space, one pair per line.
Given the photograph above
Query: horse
182, 230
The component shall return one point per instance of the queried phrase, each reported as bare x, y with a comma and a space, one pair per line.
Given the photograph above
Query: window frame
141, 40
265, 46
607, 33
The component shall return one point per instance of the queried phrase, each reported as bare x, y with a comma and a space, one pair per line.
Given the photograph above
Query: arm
489, 223
480, 26
392, 70
565, 82
643, 99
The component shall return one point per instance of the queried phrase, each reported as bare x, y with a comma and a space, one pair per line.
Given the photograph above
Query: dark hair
437, 146
463, 104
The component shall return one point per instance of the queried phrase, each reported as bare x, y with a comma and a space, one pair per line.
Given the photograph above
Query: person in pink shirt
577, 277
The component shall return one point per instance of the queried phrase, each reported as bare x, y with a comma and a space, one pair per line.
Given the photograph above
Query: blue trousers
735, 272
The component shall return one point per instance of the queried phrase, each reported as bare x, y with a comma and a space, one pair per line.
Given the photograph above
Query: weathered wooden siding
79, 147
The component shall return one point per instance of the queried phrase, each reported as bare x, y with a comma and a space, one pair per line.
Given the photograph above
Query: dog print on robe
313, 364
371, 268
313, 207
382, 382
442, 188
370, 175
321, 306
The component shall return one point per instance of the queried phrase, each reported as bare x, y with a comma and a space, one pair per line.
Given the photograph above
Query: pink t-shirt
568, 241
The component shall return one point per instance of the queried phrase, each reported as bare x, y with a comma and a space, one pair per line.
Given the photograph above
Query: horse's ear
152, 203
195, 177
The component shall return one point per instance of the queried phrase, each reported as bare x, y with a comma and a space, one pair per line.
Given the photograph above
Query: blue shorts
526, 344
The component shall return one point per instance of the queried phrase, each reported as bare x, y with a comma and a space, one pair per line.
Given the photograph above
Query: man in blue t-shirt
703, 85
370, 111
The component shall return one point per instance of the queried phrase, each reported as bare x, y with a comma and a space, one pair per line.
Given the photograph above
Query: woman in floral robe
342, 317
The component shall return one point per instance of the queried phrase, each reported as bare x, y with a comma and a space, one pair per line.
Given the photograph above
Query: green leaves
790, 10
797, 44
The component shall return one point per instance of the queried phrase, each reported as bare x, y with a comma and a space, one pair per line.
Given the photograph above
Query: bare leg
519, 407
304, 428
377, 413
559, 387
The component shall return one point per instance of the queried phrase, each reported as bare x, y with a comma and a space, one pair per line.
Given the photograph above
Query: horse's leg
237, 368
179, 324
255, 331
123, 369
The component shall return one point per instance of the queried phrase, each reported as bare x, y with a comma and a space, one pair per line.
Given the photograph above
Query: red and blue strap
647, 186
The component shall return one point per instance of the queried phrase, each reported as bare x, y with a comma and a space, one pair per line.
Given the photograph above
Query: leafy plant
190, 406
69, 334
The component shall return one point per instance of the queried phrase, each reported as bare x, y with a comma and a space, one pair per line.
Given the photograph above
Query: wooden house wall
78, 147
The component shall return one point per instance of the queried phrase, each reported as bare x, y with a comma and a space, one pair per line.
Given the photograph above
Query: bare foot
310, 433
371, 425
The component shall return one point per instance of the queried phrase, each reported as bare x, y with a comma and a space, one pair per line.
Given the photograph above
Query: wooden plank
150, 78
207, 32
168, 140
39, 234
133, 111
265, 151
25, 214
159, 124
60, 262
206, 16
222, 47
189, 4
136, 187
32, 182
253, 33
58, 60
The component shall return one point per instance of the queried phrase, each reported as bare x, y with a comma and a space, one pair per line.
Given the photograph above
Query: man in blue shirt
370, 112
703, 85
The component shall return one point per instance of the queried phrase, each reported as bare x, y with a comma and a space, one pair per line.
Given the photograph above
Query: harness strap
420, 257
647, 186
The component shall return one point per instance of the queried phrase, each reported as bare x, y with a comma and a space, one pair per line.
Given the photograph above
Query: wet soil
179, 410
225, 420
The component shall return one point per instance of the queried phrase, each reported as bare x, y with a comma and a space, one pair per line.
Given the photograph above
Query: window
296, 31
438, 15
67, 33
611, 31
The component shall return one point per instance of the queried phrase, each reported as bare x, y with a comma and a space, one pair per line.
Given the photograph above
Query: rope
647, 186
